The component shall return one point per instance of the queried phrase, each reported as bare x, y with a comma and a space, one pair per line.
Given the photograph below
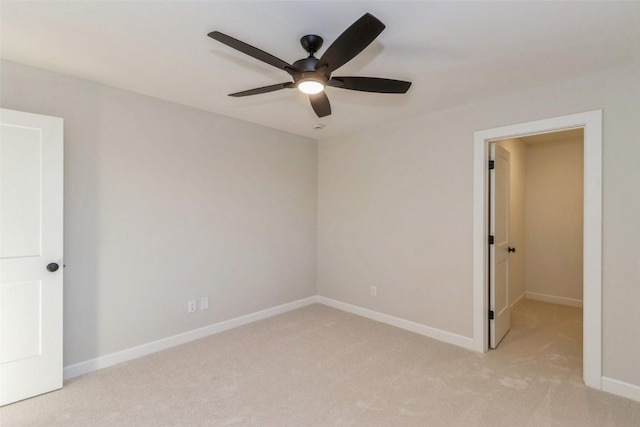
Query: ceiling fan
311, 75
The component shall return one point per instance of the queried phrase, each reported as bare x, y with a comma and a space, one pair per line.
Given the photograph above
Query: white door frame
591, 121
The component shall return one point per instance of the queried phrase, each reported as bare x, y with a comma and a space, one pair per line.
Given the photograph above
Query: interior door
31, 171
500, 320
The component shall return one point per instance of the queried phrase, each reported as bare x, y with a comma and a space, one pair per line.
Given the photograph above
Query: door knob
510, 249
52, 267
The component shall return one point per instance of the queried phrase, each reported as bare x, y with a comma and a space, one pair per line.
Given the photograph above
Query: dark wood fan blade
253, 51
370, 84
351, 42
320, 104
264, 89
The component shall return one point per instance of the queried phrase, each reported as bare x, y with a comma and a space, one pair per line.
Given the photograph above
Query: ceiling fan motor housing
311, 43
308, 68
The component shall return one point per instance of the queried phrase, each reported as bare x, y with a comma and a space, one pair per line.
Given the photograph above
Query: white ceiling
453, 52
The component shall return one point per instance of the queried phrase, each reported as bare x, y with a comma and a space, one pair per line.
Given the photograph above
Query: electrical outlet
204, 303
374, 291
191, 306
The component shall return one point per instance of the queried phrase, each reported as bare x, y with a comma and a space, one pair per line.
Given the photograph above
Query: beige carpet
318, 366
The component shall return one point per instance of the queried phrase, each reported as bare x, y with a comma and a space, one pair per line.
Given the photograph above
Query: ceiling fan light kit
311, 75
310, 86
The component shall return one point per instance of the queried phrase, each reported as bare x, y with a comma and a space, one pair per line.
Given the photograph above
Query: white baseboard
165, 343
518, 300
620, 388
105, 361
418, 328
609, 385
554, 299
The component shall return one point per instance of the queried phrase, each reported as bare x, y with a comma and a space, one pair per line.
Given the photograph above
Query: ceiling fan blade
320, 104
370, 84
253, 52
351, 42
264, 89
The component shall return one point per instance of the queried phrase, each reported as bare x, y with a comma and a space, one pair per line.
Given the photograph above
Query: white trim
165, 343
518, 301
591, 121
554, 299
105, 361
609, 385
620, 388
418, 328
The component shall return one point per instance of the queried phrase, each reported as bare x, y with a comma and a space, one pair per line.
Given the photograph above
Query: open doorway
591, 123
536, 225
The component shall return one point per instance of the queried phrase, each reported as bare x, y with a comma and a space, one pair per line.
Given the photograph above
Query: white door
31, 156
498, 251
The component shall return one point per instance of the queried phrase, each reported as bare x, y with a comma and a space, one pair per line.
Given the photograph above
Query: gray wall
554, 210
545, 218
164, 204
396, 209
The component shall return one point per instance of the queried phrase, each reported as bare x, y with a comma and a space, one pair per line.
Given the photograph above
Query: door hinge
491, 240
492, 164
491, 315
